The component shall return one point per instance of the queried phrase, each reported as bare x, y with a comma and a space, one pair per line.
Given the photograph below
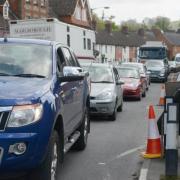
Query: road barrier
171, 153
169, 127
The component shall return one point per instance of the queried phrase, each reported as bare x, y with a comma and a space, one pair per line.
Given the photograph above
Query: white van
177, 59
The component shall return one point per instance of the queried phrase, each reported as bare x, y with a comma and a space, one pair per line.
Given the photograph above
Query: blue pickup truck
44, 102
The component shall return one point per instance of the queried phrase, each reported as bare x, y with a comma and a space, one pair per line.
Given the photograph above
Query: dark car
133, 87
157, 70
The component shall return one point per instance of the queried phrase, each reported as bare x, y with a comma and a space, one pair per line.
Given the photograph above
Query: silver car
106, 96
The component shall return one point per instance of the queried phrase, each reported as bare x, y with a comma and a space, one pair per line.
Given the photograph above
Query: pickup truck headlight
24, 115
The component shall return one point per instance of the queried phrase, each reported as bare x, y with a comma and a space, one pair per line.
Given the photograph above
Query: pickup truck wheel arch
84, 130
59, 127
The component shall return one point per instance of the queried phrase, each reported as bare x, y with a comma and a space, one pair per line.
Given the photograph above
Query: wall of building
106, 52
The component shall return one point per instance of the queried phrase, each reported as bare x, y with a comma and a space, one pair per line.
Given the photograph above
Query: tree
132, 25
162, 23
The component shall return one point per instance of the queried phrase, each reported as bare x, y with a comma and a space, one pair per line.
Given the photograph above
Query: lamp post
105, 7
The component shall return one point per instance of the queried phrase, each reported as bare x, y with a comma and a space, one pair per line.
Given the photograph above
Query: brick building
120, 45
171, 39
75, 12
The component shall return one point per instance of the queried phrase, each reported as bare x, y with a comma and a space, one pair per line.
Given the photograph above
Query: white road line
122, 155
129, 152
143, 174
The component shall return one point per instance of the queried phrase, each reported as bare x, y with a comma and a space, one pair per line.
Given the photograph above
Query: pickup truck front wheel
48, 169
84, 130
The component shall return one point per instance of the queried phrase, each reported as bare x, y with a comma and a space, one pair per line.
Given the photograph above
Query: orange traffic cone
153, 149
162, 96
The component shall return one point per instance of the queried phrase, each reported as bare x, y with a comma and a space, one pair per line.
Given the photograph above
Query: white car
106, 97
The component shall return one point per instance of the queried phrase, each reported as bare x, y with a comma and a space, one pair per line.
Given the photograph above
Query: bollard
168, 100
171, 158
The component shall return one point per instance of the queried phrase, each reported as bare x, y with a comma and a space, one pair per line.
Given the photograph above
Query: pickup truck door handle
74, 89
62, 93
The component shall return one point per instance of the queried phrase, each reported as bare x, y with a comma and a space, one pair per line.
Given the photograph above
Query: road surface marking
143, 174
122, 155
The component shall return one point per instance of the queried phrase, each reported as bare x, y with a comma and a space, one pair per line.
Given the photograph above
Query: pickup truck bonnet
19, 90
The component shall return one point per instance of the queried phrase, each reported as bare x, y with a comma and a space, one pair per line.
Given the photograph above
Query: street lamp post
105, 7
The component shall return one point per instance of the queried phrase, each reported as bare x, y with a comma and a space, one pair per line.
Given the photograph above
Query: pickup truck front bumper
11, 162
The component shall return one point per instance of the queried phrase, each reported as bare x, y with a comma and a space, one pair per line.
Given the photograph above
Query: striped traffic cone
162, 96
153, 149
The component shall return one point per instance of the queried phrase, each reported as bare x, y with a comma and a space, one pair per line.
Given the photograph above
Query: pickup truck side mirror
71, 74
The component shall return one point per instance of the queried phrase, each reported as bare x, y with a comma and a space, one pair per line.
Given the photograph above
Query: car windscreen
29, 59
140, 68
177, 59
100, 74
128, 73
154, 64
152, 53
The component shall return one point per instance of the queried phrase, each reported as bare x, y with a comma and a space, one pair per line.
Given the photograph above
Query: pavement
154, 169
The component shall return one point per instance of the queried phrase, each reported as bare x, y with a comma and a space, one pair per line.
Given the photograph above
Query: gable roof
117, 38
62, 7
173, 38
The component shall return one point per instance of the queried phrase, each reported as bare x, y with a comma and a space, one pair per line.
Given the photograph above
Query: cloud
138, 9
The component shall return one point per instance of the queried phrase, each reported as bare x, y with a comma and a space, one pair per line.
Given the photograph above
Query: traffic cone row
153, 149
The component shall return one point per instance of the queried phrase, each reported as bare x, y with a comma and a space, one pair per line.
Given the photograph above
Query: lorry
44, 103
153, 50
81, 40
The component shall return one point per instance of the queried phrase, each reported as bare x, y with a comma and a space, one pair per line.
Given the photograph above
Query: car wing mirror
120, 82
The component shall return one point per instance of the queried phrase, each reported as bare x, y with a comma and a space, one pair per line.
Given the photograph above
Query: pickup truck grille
3, 119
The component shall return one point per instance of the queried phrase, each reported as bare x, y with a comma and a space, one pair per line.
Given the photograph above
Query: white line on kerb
143, 174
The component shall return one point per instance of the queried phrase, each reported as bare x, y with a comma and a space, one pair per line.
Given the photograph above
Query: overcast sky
137, 9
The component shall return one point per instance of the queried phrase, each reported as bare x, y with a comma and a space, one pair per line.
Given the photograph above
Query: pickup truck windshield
35, 60
152, 53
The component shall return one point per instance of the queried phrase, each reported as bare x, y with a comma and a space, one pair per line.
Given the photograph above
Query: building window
84, 33
68, 29
35, 2
43, 3
84, 41
68, 40
106, 48
89, 44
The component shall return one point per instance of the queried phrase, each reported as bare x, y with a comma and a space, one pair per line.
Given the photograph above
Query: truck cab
44, 102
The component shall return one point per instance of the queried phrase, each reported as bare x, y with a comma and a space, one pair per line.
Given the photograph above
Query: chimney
141, 32
124, 29
108, 26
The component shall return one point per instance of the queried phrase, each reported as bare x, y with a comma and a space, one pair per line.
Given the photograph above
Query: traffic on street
89, 90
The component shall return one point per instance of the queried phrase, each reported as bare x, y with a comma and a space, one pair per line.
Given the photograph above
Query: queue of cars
111, 84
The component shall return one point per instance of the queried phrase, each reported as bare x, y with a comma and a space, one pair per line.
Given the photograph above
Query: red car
133, 86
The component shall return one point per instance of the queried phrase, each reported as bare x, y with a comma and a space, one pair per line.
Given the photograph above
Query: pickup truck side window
68, 57
60, 62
